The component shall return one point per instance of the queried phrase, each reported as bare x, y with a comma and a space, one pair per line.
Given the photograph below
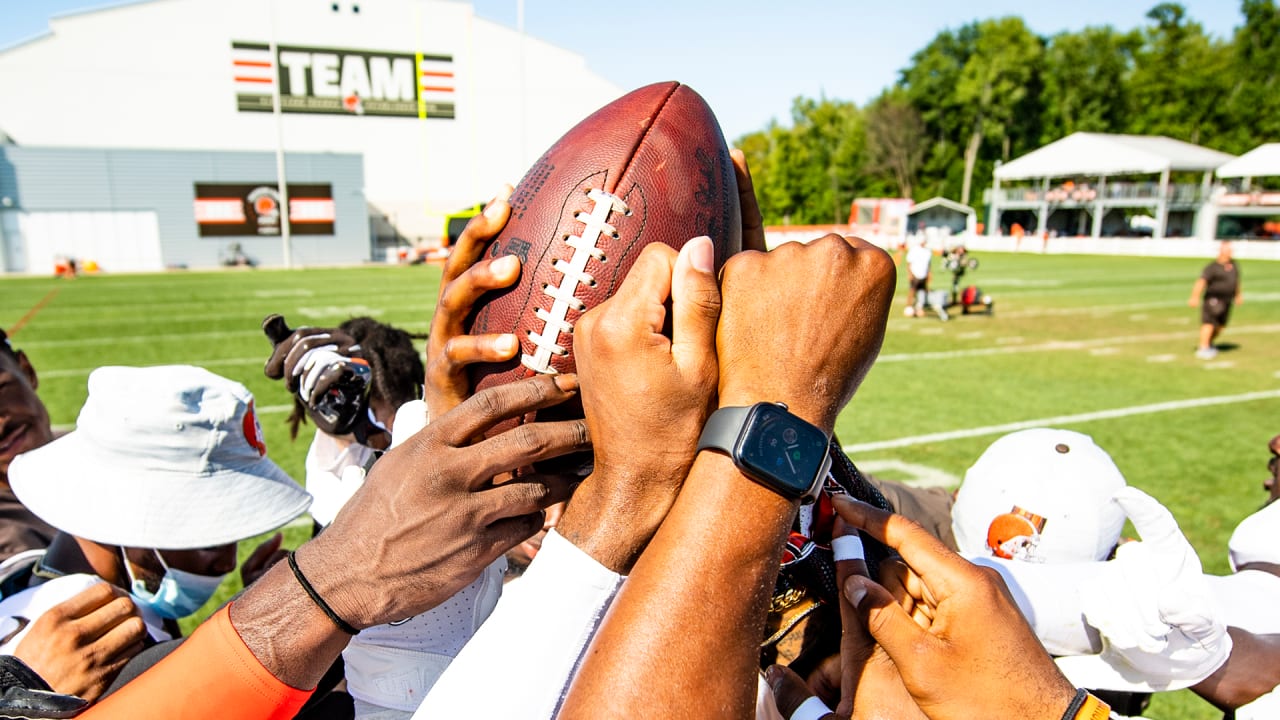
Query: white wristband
811, 709
848, 547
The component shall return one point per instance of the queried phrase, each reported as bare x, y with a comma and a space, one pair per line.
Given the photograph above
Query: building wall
91, 191
162, 74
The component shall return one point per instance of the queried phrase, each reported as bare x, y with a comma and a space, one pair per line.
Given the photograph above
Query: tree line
992, 90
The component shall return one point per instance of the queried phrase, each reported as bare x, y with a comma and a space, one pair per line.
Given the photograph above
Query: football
649, 167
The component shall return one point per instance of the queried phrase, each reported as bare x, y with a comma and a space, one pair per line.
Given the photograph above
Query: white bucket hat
1057, 477
165, 457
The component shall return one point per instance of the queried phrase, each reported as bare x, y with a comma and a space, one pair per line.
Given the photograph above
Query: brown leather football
650, 167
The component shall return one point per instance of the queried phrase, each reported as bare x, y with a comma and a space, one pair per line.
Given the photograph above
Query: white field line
1061, 420
1060, 345
80, 372
1109, 309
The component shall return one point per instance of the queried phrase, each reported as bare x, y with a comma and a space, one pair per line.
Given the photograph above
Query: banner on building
227, 210
343, 81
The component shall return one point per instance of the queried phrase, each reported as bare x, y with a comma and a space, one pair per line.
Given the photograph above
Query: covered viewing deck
1072, 186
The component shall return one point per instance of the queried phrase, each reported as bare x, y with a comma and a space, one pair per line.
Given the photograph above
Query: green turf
1071, 335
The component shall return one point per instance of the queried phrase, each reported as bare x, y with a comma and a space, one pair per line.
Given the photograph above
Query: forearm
1197, 290
686, 626
1252, 670
211, 675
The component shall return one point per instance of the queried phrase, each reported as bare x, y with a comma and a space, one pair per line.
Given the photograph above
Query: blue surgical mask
180, 593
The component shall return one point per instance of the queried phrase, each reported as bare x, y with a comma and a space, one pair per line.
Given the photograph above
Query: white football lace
574, 273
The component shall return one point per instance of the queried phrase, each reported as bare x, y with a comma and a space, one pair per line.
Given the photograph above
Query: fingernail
773, 676
567, 382
702, 254
506, 344
854, 591
506, 265
493, 210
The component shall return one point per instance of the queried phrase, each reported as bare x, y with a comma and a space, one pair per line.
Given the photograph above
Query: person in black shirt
1215, 291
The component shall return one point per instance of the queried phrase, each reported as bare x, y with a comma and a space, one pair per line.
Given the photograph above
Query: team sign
239, 210
343, 81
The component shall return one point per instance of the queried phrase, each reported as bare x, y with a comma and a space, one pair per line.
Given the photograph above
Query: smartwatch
772, 447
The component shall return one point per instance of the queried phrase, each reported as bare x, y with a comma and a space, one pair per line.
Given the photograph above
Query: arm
1197, 292
426, 522
1252, 670
689, 621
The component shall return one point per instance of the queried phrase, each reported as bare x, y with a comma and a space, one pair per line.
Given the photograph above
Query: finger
463, 350
887, 622
101, 621
856, 644
752, 221
1153, 521
792, 696
476, 235
507, 533
295, 362
527, 444
647, 286
524, 495
493, 405
460, 295
695, 304
925, 554
121, 639
258, 558
893, 579
88, 600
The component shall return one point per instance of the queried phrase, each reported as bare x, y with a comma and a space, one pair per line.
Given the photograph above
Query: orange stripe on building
432, 88
436, 73
251, 63
252, 79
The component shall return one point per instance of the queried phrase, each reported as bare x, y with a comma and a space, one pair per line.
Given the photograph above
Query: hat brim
67, 485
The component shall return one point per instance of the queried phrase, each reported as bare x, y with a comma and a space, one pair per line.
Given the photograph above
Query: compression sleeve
531, 643
212, 675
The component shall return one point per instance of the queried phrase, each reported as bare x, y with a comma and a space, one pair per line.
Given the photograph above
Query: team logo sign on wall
340, 81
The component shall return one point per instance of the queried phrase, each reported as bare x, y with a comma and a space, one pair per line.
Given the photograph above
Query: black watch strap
722, 429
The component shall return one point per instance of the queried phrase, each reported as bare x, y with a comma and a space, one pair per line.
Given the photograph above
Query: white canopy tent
1099, 154
1262, 161
1102, 155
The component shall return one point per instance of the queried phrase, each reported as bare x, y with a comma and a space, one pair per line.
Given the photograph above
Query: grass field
1099, 345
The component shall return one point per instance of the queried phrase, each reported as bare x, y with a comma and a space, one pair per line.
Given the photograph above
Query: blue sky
749, 58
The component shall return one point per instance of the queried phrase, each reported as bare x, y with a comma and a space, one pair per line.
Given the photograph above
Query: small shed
947, 216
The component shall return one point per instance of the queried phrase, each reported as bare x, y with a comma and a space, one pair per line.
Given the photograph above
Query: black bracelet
1076, 703
315, 597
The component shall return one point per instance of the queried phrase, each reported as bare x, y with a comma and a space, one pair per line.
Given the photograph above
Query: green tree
1180, 82
814, 164
1254, 106
895, 140
1085, 75
993, 85
929, 83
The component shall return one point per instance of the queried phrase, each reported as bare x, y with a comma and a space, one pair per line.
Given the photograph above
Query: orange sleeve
211, 675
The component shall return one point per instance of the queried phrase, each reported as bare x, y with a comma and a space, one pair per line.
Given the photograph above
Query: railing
1070, 194
1250, 199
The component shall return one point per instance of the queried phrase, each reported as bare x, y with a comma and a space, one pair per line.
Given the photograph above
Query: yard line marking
75, 342
283, 292
921, 476
22, 321
1220, 365
1063, 420
1059, 345
1109, 309
77, 372
1161, 358
931, 331
1008, 340
970, 335
1104, 351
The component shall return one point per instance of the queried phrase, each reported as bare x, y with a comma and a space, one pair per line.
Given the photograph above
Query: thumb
888, 623
1154, 522
791, 693
695, 300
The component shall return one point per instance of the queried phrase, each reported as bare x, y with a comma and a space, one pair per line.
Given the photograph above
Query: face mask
180, 593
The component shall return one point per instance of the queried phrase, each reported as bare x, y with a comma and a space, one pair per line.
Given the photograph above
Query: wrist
643, 497
804, 405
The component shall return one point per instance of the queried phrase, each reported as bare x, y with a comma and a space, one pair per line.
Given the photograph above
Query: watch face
777, 445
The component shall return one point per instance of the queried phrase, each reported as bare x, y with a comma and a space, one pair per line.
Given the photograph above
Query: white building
443, 106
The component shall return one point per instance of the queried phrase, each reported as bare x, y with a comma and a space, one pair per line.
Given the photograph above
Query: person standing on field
1216, 290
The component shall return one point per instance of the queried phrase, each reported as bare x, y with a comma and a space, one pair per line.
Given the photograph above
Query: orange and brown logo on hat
253, 431
1014, 535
